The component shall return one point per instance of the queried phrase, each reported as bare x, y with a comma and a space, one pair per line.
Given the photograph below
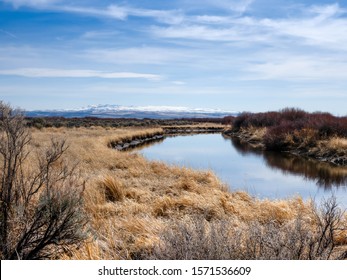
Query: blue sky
245, 55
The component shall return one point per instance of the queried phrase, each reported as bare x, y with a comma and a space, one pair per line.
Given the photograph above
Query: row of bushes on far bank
292, 127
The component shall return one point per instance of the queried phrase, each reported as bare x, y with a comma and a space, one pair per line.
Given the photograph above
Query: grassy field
135, 207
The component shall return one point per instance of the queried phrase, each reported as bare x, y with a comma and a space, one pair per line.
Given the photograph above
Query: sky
244, 55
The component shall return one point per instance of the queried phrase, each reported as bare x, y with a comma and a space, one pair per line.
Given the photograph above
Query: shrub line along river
262, 174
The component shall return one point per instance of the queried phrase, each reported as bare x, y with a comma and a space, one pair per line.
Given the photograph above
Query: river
262, 174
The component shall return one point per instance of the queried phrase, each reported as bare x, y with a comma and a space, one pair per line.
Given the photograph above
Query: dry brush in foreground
41, 210
303, 238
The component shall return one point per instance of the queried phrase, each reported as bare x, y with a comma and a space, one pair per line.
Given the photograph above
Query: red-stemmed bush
293, 126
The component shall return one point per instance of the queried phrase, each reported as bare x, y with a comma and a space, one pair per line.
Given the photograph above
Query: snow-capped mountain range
140, 112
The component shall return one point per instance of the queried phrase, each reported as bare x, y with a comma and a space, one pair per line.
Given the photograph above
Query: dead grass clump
227, 205
256, 134
243, 196
171, 206
113, 190
187, 184
337, 143
281, 211
159, 167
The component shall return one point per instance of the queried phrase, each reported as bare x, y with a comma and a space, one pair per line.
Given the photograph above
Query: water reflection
150, 142
325, 175
140, 146
241, 167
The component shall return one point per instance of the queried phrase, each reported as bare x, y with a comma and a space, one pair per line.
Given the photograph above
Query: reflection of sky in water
240, 170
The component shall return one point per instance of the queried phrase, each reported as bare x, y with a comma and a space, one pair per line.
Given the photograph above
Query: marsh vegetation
318, 135
101, 203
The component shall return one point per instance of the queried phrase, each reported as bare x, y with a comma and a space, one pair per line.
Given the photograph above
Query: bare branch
42, 210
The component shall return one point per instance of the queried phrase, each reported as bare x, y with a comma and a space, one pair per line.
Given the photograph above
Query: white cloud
311, 45
237, 6
327, 11
207, 19
143, 55
165, 16
319, 26
63, 73
322, 28
111, 11
240, 6
96, 34
122, 12
237, 33
31, 3
179, 83
195, 32
298, 68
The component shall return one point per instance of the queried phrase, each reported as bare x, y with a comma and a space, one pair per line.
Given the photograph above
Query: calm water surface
262, 174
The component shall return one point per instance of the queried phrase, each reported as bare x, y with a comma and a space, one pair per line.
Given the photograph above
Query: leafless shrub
306, 128
302, 238
41, 212
195, 239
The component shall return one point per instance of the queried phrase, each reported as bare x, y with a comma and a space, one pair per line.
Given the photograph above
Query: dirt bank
135, 141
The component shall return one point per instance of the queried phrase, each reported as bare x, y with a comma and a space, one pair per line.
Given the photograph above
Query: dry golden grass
337, 143
257, 133
130, 200
196, 126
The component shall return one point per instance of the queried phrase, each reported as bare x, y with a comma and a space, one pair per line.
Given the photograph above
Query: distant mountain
139, 112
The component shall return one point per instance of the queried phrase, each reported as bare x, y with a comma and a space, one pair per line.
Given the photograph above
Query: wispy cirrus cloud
205, 47
326, 11
97, 34
240, 6
298, 68
123, 12
8, 33
76, 73
236, 6
138, 55
208, 33
320, 26
31, 3
112, 11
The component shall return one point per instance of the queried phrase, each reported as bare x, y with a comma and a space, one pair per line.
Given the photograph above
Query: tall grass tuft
113, 190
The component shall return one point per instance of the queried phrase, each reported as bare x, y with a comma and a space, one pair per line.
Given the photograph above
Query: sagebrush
41, 213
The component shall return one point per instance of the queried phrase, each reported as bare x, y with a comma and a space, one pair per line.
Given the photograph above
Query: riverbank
320, 136
333, 150
135, 205
151, 135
